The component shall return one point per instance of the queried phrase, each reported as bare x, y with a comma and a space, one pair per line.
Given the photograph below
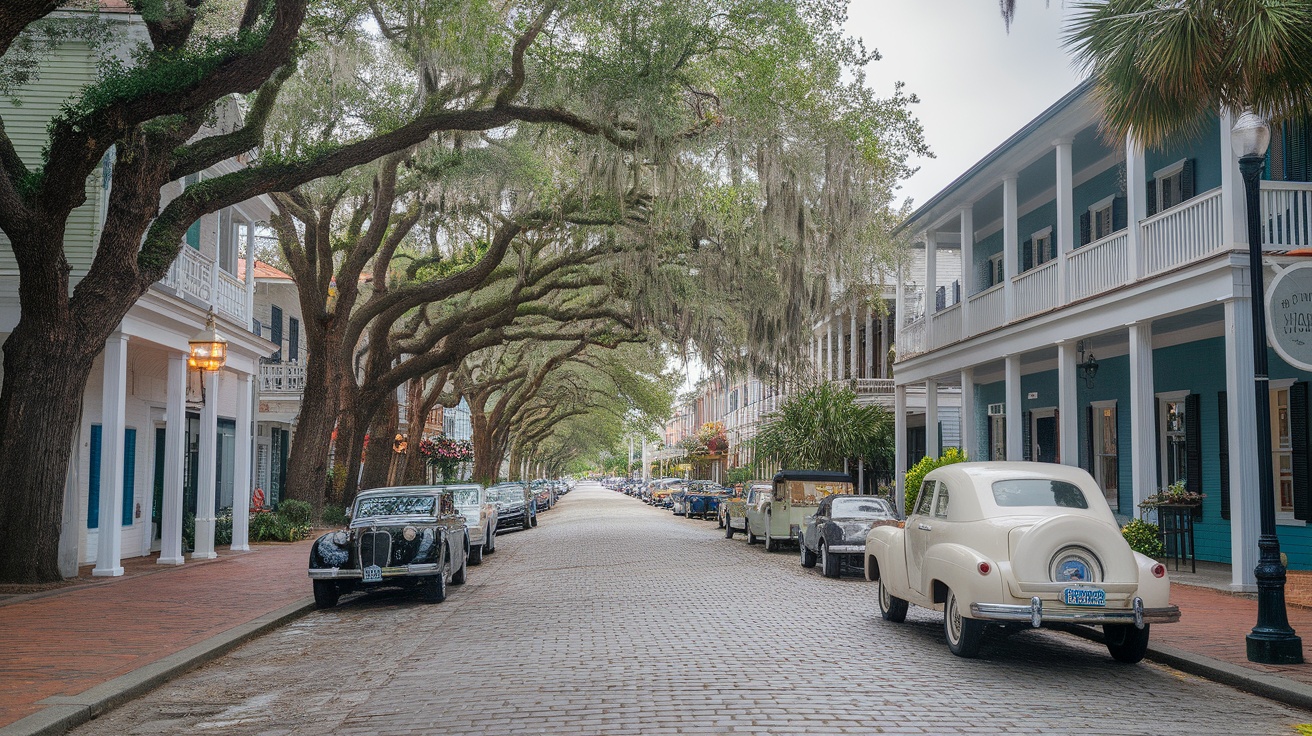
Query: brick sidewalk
69, 640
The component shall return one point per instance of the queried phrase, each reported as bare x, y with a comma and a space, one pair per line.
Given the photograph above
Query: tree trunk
378, 462
486, 462
307, 464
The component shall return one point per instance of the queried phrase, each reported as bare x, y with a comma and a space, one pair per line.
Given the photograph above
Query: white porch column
870, 371
1065, 235
968, 441
1241, 407
1234, 226
931, 287
1143, 413
1136, 199
1015, 418
109, 539
207, 466
968, 271
1010, 247
175, 436
932, 448
900, 446
853, 345
829, 349
841, 362
1068, 411
241, 488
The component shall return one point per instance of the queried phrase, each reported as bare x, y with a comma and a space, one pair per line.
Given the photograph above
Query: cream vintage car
1017, 544
776, 517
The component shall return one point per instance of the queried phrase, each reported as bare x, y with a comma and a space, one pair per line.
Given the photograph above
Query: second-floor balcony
197, 279
1167, 241
282, 378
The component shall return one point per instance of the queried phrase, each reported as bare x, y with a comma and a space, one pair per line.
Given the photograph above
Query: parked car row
422, 537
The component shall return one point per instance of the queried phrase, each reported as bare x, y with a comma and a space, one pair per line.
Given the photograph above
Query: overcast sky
977, 84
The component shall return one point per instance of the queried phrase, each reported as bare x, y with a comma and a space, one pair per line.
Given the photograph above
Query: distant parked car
702, 499
516, 506
837, 530
409, 537
1025, 544
735, 510
480, 512
795, 495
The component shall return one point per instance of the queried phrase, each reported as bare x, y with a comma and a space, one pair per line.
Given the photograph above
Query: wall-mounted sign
1289, 315
1032, 395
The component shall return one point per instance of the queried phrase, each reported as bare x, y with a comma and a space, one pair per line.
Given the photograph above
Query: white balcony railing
1036, 290
282, 378
1286, 210
230, 297
1182, 234
988, 309
947, 326
191, 275
911, 340
1099, 266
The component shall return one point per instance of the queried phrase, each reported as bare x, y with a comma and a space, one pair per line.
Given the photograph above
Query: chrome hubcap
953, 617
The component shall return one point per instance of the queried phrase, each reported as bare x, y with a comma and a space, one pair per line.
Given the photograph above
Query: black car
838, 530
516, 506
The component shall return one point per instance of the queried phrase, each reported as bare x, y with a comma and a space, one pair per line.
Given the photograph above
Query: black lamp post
1271, 641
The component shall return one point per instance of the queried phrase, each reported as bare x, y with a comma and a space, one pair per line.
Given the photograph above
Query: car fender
1155, 591
886, 547
956, 566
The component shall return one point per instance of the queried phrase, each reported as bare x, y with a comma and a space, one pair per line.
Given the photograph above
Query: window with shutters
996, 273
1041, 246
1101, 222
1282, 449
1170, 186
998, 437
1171, 409
1106, 461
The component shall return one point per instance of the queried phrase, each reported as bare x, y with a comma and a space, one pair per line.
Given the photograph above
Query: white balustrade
231, 297
911, 339
282, 378
1099, 266
947, 326
1286, 210
1036, 290
1182, 234
190, 275
988, 309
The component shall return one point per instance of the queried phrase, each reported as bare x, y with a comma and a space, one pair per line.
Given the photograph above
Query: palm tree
1159, 68
821, 427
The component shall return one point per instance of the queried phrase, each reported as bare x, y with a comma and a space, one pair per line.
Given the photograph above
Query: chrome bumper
847, 549
1035, 614
333, 573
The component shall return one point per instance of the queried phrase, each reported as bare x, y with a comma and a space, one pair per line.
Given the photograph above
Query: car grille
375, 547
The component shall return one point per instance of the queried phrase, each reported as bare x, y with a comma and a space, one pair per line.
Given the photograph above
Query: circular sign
1289, 315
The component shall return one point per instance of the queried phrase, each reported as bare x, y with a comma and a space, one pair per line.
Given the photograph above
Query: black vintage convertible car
408, 537
838, 529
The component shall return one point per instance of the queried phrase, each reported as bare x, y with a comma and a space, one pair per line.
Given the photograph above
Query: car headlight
409, 533
341, 539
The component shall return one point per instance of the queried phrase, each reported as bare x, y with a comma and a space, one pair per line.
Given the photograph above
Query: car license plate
373, 574
1084, 597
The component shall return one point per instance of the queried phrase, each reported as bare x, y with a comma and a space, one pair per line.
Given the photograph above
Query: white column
241, 488
968, 422
932, 448
109, 539
250, 278
1241, 407
175, 436
931, 287
829, 349
840, 361
968, 271
870, 371
853, 346
1234, 227
1065, 235
900, 446
1010, 246
1068, 411
206, 466
1143, 413
1136, 199
1015, 418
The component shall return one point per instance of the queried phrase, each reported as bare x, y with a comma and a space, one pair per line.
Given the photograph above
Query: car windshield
395, 506
861, 508
506, 495
809, 492
1039, 492
465, 497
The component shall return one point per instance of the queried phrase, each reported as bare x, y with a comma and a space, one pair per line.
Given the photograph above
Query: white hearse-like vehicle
1017, 544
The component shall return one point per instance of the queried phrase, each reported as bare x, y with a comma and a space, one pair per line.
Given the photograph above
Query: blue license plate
373, 574
1084, 597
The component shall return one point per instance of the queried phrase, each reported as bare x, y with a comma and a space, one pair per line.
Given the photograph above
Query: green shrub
223, 528
189, 532
916, 475
1144, 537
334, 516
296, 512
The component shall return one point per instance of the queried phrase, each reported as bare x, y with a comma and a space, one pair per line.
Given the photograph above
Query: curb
64, 712
1273, 687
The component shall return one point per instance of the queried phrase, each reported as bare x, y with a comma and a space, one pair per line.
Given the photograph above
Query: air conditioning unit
998, 410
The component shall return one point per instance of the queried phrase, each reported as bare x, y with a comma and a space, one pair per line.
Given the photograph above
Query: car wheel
1126, 643
534, 522
490, 545
476, 554
527, 522
830, 565
719, 518
891, 607
751, 538
325, 593
433, 588
728, 529
808, 557
964, 634
458, 576
771, 544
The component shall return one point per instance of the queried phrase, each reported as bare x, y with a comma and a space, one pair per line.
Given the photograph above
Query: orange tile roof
115, 6
262, 271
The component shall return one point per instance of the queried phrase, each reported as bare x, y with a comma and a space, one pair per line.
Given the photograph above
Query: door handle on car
924, 527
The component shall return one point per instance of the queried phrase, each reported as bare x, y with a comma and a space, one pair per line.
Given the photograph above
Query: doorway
1043, 432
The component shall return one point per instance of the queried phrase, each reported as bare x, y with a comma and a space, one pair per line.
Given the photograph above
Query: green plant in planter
916, 475
1144, 537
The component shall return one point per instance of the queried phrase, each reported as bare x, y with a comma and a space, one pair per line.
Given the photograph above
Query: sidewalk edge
64, 712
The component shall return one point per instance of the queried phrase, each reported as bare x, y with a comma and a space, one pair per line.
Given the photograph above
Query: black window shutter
1223, 431
1187, 187
1193, 445
1090, 443
1086, 228
1026, 440
1027, 254
983, 276
1052, 247
1152, 197
988, 437
1119, 213
293, 339
275, 331
1157, 450
1298, 437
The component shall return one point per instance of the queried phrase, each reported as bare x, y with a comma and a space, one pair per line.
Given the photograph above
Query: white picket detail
1182, 234
1099, 266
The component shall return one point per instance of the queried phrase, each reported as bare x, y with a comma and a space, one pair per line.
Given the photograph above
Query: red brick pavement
68, 641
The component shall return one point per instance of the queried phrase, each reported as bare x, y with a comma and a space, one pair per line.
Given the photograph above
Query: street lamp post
1271, 641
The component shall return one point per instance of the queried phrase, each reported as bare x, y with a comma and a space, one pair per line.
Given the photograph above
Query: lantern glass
209, 351
1250, 135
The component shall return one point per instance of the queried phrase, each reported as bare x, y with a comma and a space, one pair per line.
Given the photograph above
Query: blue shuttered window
93, 491
129, 474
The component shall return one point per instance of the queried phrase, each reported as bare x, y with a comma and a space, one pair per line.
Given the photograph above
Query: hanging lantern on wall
208, 349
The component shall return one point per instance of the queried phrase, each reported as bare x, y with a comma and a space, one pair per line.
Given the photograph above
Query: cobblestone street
615, 618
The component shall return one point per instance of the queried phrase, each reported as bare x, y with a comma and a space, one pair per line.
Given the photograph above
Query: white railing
911, 339
1099, 266
947, 326
190, 275
873, 386
282, 378
1182, 234
1286, 210
1036, 290
988, 309
231, 297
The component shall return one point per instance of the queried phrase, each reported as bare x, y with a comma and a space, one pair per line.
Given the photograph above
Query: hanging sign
1289, 315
